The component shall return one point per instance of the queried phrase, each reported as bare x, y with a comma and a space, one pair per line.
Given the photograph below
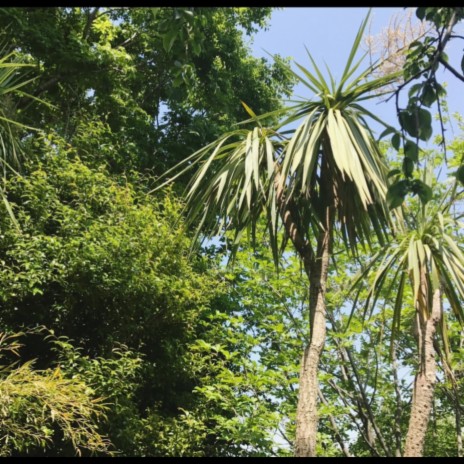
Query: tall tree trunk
457, 416
398, 408
424, 383
306, 415
306, 418
457, 409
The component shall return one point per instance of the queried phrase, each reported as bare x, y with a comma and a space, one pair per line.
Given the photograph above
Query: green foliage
417, 122
398, 190
89, 250
163, 350
12, 83
99, 261
95, 258
145, 75
116, 378
425, 247
423, 60
246, 361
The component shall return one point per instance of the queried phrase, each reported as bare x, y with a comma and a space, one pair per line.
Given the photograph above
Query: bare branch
451, 69
335, 428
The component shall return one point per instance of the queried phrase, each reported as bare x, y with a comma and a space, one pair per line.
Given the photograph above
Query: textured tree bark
424, 383
457, 412
306, 422
398, 409
306, 415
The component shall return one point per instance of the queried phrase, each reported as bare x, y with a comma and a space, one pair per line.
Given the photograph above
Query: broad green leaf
396, 141
411, 150
414, 89
396, 193
428, 95
423, 191
417, 122
460, 174
408, 123
169, 38
420, 12
394, 172
425, 124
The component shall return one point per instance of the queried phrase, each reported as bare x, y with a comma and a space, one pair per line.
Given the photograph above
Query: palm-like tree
424, 254
327, 174
11, 85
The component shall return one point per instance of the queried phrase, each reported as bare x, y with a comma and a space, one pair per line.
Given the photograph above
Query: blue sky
328, 33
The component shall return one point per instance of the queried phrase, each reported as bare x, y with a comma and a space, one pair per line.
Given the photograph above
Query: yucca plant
327, 174
425, 255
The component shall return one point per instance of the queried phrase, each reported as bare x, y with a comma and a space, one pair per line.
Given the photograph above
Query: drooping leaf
417, 122
420, 12
408, 166
428, 95
425, 124
411, 150
408, 123
396, 141
389, 130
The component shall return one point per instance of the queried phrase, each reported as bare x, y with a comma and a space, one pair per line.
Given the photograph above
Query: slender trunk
306, 425
424, 383
306, 416
457, 408
398, 408
457, 414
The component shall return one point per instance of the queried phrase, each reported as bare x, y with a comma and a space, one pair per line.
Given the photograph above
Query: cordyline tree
424, 254
325, 176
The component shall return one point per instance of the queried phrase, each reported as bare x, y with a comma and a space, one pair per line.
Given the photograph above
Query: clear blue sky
328, 33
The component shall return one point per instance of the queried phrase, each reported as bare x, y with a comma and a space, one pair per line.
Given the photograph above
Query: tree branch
342, 394
451, 69
345, 353
338, 435
90, 19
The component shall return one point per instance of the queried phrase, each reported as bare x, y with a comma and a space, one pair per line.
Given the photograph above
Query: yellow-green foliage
37, 406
